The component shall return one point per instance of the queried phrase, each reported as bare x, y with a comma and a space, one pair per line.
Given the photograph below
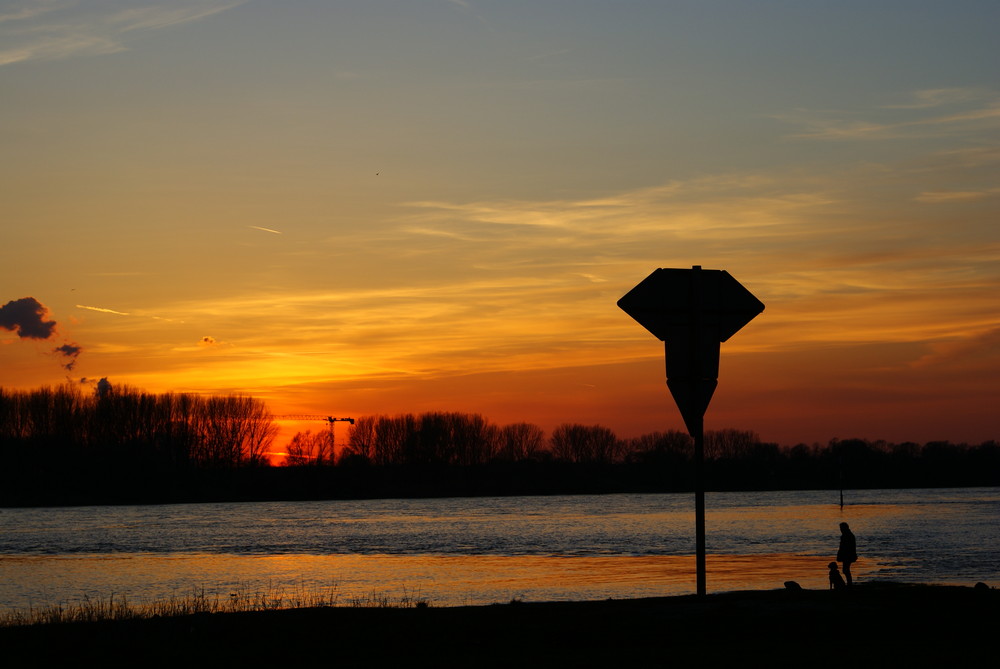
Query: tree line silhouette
120, 444
122, 423
62, 446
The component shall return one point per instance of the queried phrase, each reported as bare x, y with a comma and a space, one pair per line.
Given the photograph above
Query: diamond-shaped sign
709, 299
691, 311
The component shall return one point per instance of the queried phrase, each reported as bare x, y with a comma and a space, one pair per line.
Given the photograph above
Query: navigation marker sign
669, 301
692, 311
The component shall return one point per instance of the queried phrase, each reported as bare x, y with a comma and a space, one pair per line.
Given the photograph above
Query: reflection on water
459, 551
439, 580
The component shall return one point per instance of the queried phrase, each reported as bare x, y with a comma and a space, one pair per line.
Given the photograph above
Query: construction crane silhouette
308, 416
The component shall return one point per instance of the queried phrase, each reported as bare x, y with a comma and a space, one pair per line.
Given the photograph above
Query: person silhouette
848, 551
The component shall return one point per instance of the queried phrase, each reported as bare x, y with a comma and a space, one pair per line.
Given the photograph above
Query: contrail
102, 310
128, 313
257, 227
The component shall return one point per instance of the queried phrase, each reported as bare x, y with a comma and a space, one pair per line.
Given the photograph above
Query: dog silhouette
836, 580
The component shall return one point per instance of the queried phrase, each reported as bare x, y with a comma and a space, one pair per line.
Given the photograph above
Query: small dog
836, 580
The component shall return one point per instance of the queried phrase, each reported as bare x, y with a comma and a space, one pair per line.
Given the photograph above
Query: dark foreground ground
873, 625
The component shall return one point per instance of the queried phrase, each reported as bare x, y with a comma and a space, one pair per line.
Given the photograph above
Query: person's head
844, 527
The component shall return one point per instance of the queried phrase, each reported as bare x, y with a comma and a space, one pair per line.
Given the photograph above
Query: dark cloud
207, 341
26, 317
71, 351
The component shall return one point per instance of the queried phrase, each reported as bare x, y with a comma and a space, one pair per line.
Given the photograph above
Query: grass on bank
242, 600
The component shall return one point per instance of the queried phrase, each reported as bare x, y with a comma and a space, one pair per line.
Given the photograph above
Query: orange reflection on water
395, 579
459, 580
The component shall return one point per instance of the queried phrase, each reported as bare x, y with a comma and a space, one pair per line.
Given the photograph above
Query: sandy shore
885, 625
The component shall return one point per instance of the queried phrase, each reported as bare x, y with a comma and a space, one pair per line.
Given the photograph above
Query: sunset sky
384, 206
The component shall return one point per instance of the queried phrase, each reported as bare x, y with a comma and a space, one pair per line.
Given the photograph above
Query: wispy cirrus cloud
164, 16
939, 97
856, 274
55, 30
930, 113
30, 10
957, 196
716, 210
58, 46
967, 353
496, 284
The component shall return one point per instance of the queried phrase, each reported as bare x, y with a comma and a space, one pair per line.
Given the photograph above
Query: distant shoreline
298, 484
874, 624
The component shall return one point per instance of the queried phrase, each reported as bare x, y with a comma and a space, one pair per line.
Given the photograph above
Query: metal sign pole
699, 373
699, 506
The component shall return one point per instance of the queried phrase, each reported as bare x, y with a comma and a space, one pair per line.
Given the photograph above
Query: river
460, 551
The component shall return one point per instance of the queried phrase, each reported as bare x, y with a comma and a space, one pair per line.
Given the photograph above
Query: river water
484, 550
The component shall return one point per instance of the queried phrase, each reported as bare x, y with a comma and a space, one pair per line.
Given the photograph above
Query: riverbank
875, 624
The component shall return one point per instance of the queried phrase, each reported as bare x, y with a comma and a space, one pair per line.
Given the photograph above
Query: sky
369, 207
